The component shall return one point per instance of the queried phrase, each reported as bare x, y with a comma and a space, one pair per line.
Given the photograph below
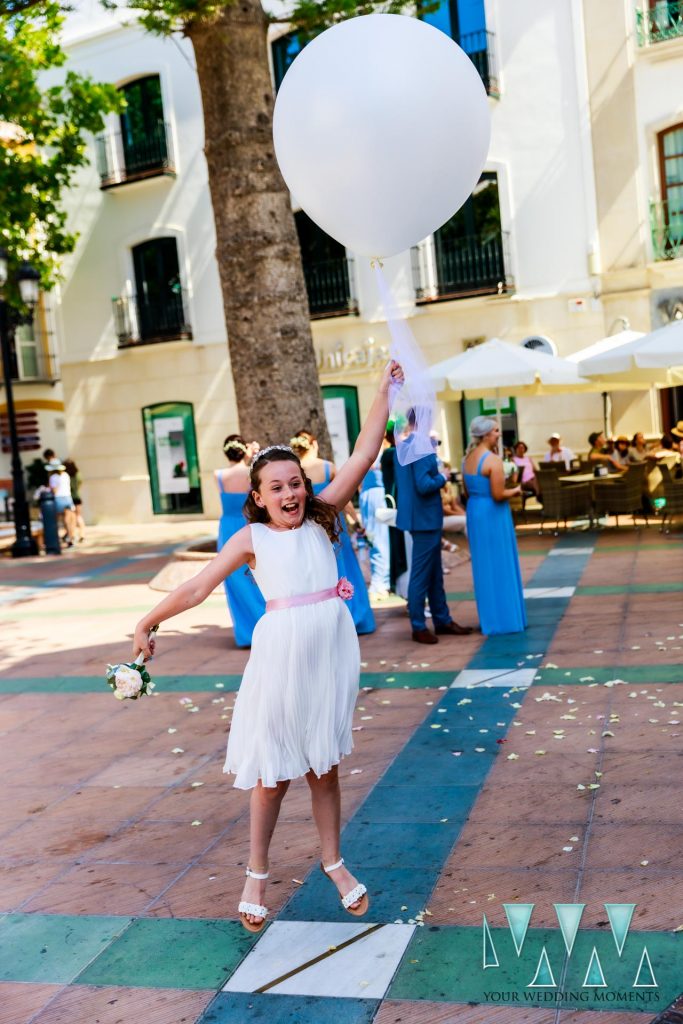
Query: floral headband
265, 451
237, 445
300, 442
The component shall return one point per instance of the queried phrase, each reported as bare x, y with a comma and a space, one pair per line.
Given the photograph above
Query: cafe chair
673, 495
563, 501
622, 496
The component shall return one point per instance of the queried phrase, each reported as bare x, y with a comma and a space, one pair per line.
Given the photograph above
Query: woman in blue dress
245, 600
320, 472
491, 533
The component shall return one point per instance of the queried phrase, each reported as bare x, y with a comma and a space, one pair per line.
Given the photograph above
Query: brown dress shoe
424, 636
453, 629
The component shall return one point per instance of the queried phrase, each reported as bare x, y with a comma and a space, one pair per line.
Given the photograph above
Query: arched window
469, 249
157, 311
142, 147
668, 220
326, 270
143, 132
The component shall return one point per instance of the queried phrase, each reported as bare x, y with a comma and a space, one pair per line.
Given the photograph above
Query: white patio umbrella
497, 367
662, 348
616, 361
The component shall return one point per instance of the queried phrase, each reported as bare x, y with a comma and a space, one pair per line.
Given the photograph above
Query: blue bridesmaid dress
347, 565
495, 563
245, 600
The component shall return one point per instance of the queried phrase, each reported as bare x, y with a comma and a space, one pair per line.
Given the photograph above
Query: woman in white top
60, 485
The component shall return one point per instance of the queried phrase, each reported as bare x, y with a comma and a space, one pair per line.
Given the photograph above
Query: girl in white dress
294, 708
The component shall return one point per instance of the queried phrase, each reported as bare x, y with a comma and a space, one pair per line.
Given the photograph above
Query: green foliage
309, 17
45, 116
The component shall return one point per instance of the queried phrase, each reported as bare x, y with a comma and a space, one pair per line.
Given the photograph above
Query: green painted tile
445, 964
631, 674
409, 680
53, 948
460, 595
226, 683
171, 953
631, 588
273, 1008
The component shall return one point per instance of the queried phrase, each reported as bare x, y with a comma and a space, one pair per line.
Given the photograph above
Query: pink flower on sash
345, 589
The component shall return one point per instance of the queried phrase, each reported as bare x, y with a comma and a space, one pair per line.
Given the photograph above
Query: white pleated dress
294, 708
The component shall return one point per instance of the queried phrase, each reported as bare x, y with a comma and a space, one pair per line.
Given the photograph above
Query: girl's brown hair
321, 512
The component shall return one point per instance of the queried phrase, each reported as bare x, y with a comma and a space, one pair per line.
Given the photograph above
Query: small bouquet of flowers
345, 589
130, 681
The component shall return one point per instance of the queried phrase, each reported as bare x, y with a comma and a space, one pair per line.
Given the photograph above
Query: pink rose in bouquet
345, 589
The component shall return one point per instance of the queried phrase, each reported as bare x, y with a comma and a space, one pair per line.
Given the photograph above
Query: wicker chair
673, 493
563, 501
622, 496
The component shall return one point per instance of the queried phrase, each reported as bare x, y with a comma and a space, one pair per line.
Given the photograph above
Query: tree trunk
264, 294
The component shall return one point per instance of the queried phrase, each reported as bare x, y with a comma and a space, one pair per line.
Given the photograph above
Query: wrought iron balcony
666, 229
463, 267
328, 283
121, 159
662, 21
141, 321
480, 49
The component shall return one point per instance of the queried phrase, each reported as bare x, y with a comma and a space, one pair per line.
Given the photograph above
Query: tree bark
259, 259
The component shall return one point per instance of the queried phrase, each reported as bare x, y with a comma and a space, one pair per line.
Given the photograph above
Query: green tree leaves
46, 115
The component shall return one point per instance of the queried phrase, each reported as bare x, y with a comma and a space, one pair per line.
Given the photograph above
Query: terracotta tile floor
99, 819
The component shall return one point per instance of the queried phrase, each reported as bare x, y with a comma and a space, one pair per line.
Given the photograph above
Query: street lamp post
28, 280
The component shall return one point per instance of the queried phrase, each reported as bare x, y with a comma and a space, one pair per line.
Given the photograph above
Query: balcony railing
464, 267
480, 49
120, 159
662, 21
140, 321
666, 229
328, 283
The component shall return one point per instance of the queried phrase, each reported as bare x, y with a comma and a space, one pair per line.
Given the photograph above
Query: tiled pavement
122, 846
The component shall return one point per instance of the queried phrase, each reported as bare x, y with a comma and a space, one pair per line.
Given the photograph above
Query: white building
555, 243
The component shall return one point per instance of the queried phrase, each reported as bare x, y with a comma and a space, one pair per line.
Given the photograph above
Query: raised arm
349, 476
238, 551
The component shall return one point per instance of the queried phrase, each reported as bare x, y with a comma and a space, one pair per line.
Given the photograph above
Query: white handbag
387, 515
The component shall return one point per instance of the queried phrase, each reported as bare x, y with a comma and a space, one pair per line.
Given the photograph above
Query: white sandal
359, 892
255, 909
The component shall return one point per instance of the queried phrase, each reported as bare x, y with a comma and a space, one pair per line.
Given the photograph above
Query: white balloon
381, 130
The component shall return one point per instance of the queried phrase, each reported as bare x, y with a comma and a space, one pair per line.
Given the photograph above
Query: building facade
556, 245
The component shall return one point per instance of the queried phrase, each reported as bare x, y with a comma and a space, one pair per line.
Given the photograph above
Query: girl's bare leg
326, 805
264, 810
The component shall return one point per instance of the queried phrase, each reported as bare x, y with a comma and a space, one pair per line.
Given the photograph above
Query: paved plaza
543, 768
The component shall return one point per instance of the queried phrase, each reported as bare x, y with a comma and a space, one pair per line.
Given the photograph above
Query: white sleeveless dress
294, 708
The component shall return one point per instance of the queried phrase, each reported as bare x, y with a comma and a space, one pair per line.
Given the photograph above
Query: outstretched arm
350, 475
238, 551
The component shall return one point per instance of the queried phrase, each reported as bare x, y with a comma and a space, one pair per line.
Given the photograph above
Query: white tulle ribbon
417, 393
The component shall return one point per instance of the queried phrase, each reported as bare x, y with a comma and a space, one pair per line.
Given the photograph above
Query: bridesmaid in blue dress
320, 472
245, 600
491, 533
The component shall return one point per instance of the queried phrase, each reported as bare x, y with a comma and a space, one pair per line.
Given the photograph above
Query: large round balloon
381, 130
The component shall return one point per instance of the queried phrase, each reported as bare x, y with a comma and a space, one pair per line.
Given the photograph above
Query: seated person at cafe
525, 464
559, 452
639, 452
621, 452
510, 468
599, 455
454, 515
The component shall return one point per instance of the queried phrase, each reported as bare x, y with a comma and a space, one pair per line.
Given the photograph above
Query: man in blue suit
420, 512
